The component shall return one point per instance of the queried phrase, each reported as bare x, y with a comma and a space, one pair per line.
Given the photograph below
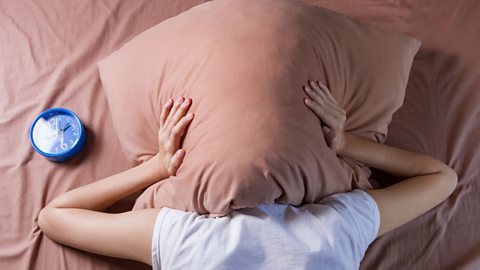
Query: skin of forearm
393, 160
101, 194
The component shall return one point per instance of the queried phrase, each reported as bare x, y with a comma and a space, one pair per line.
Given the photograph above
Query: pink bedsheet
48, 56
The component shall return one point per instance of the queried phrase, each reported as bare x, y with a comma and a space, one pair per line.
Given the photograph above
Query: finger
321, 93
318, 97
315, 89
181, 111
178, 130
172, 112
327, 92
176, 161
313, 92
335, 143
337, 118
328, 134
323, 114
165, 110
315, 85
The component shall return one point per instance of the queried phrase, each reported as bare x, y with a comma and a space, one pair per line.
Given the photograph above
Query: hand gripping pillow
243, 63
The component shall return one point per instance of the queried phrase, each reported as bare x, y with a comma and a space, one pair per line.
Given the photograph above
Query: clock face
56, 133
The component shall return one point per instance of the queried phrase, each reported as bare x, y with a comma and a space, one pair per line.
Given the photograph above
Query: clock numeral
75, 133
64, 146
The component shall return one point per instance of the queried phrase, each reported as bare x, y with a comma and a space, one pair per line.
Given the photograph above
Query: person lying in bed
333, 234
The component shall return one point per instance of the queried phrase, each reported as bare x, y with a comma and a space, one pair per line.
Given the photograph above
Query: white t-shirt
333, 234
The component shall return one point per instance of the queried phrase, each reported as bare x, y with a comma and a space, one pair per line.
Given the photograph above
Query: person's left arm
75, 218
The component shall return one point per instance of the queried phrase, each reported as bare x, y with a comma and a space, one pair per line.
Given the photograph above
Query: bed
49, 55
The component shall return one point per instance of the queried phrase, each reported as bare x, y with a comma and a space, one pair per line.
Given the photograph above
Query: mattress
48, 58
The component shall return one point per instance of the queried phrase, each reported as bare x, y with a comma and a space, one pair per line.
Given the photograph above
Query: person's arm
428, 180
101, 194
74, 218
396, 161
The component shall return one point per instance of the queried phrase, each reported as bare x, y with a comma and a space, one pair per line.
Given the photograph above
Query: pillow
243, 63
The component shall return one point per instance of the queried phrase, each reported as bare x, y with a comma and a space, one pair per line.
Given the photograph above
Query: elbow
449, 181
42, 219
52, 223
453, 180
47, 216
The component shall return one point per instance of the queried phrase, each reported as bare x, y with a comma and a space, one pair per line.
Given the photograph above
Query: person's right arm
428, 180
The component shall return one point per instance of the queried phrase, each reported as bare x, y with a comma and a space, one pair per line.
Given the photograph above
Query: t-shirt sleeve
359, 212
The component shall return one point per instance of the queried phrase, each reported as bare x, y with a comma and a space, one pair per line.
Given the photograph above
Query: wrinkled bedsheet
48, 55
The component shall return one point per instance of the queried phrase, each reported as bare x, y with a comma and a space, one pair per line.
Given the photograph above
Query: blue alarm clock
57, 134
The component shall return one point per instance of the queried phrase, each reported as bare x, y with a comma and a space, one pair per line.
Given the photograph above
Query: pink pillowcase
243, 62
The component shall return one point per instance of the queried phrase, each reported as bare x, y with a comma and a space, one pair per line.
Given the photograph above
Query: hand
173, 123
322, 103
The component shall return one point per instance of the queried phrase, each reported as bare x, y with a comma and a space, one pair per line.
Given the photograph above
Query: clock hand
56, 126
65, 127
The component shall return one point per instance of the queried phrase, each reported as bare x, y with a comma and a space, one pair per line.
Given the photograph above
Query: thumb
329, 136
176, 161
326, 130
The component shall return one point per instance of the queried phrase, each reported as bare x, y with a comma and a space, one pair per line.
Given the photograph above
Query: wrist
156, 168
343, 144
